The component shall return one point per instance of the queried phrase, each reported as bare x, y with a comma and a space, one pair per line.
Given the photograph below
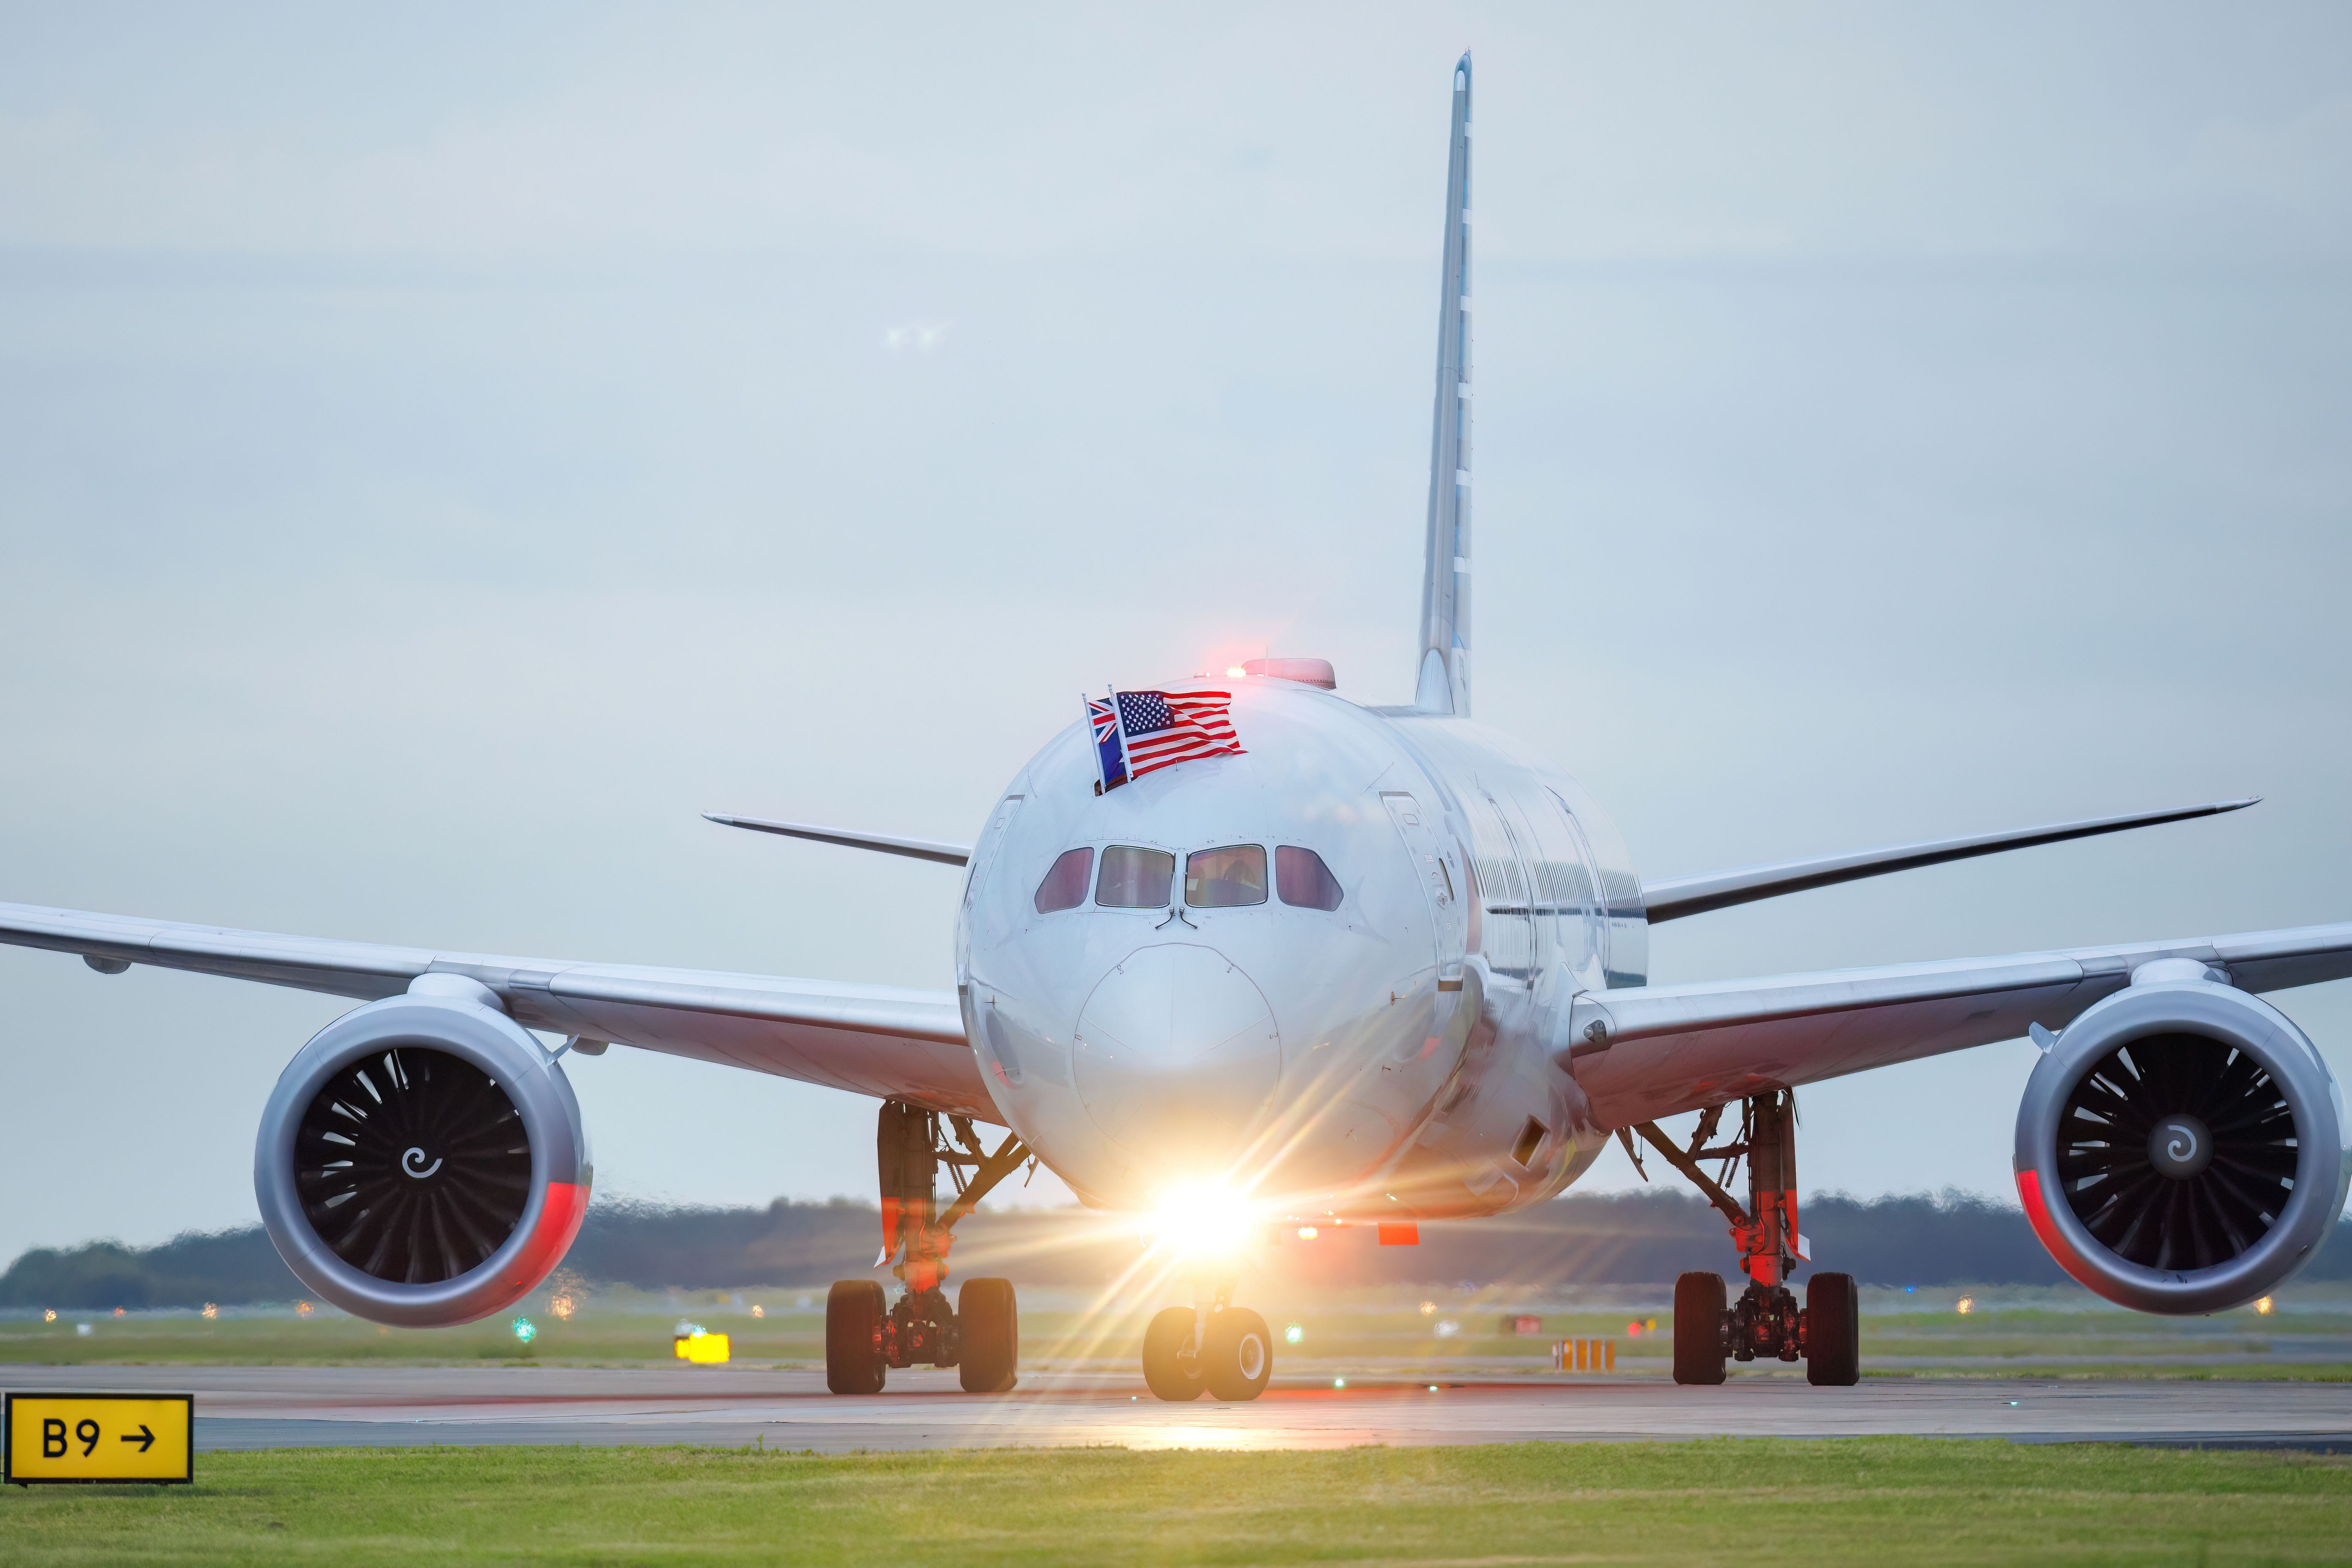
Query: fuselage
1326, 974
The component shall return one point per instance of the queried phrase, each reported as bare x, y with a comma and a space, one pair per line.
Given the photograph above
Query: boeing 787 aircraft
1244, 953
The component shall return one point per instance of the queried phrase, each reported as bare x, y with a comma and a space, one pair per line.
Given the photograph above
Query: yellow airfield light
2264, 1306
698, 1346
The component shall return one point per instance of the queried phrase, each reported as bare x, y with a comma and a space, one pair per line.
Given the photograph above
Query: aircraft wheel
989, 1326
853, 1311
1699, 1327
1237, 1355
1833, 1331
1171, 1378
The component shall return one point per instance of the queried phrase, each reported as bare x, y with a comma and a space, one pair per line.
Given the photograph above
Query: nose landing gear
1766, 1320
1222, 1348
980, 1335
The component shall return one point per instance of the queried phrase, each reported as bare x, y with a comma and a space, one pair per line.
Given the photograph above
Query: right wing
882, 1041
1675, 897
1657, 1050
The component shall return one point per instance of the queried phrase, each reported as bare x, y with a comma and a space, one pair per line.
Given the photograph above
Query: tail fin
1444, 679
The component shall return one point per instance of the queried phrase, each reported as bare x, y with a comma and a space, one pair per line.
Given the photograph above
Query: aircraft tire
1699, 1327
1833, 1331
1168, 1377
1236, 1355
989, 1321
854, 1310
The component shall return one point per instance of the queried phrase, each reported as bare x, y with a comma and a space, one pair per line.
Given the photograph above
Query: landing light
1202, 1222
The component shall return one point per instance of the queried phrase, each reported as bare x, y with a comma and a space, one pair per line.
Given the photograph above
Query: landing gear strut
1766, 1320
980, 1336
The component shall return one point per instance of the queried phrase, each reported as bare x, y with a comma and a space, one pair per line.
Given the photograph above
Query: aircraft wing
876, 1040
1657, 1050
1675, 897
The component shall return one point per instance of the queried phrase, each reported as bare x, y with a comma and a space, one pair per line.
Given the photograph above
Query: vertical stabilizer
1444, 682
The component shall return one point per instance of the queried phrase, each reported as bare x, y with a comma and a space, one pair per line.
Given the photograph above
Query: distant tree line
1601, 1238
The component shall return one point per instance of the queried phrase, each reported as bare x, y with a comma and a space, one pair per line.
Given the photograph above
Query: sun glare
1201, 1221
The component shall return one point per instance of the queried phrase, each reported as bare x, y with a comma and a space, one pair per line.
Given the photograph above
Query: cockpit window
1225, 879
1134, 878
1064, 887
1304, 879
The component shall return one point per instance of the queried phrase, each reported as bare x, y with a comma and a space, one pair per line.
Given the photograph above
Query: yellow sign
701, 1349
93, 1438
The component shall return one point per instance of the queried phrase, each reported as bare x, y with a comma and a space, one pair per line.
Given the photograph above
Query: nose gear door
1441, 877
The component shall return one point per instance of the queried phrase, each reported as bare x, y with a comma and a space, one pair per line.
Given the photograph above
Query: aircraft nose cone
1176, 1054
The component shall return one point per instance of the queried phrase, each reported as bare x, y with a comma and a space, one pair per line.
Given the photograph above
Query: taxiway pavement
295, 1407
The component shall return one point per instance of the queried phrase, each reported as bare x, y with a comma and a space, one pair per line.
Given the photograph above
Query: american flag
1164, 727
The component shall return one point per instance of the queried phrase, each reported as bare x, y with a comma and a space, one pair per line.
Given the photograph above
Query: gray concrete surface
255, 1407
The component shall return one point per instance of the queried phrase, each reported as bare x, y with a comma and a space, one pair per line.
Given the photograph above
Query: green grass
1869, 1500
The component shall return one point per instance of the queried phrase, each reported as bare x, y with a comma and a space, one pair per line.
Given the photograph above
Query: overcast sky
442, 450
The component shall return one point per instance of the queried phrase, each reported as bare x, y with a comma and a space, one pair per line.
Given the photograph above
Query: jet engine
2180, 1148
421, 1161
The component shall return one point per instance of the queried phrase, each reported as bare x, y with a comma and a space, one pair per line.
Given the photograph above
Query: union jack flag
1111, 758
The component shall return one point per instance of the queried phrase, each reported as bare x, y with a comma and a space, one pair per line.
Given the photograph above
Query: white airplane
1244, 951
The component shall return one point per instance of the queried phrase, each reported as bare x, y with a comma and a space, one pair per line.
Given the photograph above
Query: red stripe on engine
2037, 1214
559, 1223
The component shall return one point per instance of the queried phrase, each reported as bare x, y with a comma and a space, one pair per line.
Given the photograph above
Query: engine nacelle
421, 1161
2180, 1148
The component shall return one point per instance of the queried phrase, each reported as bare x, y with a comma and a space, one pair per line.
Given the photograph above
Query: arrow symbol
146, 1439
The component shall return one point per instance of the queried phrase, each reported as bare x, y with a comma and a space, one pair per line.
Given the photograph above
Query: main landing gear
1825, 1332
980, 1336
1219, 1348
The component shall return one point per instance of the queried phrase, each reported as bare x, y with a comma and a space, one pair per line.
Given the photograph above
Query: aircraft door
1505, 889
1439, 876
1583, 917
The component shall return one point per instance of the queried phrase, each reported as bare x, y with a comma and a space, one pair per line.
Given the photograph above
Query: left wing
869, 1039
1657, 1050
933, 849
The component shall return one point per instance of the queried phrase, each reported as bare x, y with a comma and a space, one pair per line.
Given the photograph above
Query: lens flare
1202, 1222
